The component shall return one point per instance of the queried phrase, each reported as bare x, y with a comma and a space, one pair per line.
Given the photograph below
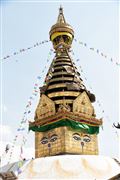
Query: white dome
71, 167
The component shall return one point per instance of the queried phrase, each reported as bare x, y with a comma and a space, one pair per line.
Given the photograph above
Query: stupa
65, 120
65, 124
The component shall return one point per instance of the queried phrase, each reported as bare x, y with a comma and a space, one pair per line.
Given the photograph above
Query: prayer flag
34, 94
7, 148
20, 129
80, 42
21, 50
36, 91
91, 48
27, 105
38, 77
29, 102
117, 63
22, 122
6, 57
21, 150
24, 140
19, 171
29, 47
31, 97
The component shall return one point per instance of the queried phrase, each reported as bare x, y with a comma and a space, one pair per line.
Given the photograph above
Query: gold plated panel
60, 73
62, 59
64, 93
50, 143
45, 108
61, 78
68, 101
57, 86
63, 140
83, 105
61, 63
57, 68
80, 143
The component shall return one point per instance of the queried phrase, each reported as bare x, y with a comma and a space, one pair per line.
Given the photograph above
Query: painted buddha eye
86, 138
44, 140
76, 137
53, 138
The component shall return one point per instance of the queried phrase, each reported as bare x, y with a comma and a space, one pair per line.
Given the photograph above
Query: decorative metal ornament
116, 126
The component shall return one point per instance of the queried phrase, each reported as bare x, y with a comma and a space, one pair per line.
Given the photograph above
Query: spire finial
61, 18
61, 28
61, 10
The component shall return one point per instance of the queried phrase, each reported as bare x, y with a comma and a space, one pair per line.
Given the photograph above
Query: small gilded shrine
65, 120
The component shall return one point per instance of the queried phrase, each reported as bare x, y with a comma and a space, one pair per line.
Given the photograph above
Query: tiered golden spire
64, 100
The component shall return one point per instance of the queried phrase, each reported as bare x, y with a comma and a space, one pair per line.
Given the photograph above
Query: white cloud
5, 134
5, 130
3, 108
28, 153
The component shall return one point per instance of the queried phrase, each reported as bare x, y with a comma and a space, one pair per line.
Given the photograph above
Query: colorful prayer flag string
98, 52
27, 110
24, 50
97, 101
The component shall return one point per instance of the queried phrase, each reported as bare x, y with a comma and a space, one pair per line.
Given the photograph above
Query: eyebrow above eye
86, 136
53, 138
44, 138
76, 134
54, 135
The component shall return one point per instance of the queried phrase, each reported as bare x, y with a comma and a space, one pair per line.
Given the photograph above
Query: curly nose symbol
82, 144
49, 145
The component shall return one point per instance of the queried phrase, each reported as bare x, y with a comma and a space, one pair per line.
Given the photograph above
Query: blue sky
23, 24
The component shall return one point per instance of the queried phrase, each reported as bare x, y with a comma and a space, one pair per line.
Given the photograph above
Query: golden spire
61, 18
61, 31
64, 113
